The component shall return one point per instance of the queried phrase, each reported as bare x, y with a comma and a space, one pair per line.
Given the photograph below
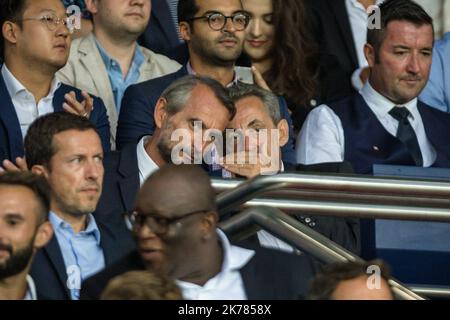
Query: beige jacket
85, 70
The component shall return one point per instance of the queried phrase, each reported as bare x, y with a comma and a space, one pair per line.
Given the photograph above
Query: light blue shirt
83, 256
118, 83
437, 92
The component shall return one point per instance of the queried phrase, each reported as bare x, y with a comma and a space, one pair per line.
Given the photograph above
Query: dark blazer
161, 36
330, 26
120, 183
11, 140
136, 114
49, 271
270, 274
344, 231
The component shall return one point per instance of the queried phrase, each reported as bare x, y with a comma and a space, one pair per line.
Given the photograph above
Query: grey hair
270, 100
179, 92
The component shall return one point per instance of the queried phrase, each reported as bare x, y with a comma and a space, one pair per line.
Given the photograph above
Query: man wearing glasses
178, 237
214, 31
34, 45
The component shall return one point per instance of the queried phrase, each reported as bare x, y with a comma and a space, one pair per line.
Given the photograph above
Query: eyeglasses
159, 225
217, 20
52, 21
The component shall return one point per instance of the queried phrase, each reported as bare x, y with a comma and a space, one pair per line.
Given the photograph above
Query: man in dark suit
174, 233
69, 155
127, 169
25, 229
33, 50
213, 51
338, 27
259, 124
161, 34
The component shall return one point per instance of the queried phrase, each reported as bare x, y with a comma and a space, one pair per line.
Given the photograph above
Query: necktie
406, 134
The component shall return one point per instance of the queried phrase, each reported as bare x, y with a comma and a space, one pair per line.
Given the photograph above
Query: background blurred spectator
141, 285
352, 281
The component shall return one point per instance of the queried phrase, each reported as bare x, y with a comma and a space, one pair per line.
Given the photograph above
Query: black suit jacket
120, 183
270, 274
330, 26
161, 36
49, 271
344, 231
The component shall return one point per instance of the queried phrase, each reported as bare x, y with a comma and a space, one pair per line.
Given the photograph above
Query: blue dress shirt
437, 91
118, 83
83, 256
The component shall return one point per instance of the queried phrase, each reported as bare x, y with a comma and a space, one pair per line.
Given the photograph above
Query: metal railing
357, 196
301, 237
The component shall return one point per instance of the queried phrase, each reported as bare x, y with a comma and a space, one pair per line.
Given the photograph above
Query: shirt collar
14, 86
193, 73
60, 225
138, 58
359, 5
146, 164
381, 105
234, 259
31, 289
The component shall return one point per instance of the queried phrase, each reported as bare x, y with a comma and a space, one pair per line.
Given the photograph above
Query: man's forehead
224, 6
407, 32
45, 6
76, 141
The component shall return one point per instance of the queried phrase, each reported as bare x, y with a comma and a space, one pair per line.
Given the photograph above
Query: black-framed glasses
218, 20
52, 21
159, 225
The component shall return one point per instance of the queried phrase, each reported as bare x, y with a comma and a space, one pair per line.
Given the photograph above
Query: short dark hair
11, 10
179, 92
39, 147
187, 9
397, 10
36, 184
141, 285
270, 100
327, 279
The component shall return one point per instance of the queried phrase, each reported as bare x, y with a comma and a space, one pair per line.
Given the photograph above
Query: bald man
175, 224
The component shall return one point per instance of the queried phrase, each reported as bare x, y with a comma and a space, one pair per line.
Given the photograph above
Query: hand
83, 109
259, 80
248, 165
8, 166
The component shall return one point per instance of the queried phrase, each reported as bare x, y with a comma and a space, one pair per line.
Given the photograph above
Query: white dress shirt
226, 285
24, 103
358, 18
322, 136
31, 289
145, 164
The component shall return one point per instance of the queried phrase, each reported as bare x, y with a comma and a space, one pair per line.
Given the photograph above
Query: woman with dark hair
280, 47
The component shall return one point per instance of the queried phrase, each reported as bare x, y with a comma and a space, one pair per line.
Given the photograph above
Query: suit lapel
251, 279
93, 63
340, 12
128, 168
161, 13
54, 254
108, 243
11, 122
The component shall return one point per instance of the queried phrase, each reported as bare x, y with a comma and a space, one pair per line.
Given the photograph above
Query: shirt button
307, 220
312, 224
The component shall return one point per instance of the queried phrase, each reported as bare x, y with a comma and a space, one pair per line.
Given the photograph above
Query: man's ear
185, 31
160, 112
91, 6
9, 32
209, 224
40, 170
369, 53
283, 129
43, 235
